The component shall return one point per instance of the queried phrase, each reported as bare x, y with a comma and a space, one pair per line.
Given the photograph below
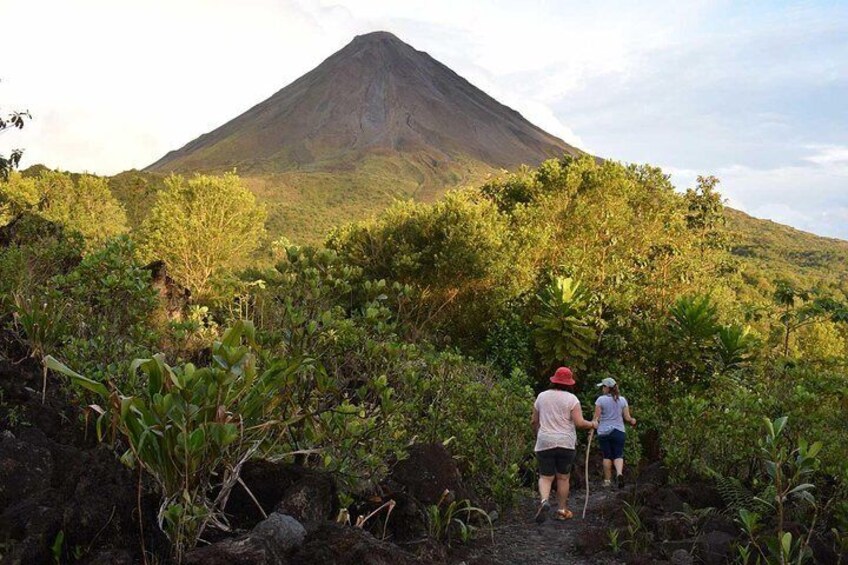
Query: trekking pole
586, 471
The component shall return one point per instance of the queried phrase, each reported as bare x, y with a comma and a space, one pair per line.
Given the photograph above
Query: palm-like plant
562, 329
694, 320
692, 325
735, 346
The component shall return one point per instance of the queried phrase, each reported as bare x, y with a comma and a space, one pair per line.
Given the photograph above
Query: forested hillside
781, 249
214, 364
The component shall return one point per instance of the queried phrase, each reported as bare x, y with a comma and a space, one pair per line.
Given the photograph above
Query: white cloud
828, 155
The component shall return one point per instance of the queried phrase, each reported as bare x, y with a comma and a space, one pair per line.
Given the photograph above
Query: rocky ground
64, 498
517, 538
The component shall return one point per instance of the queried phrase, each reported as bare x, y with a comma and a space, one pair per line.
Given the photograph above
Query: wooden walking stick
586, 471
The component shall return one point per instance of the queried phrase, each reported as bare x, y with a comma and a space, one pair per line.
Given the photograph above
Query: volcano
377, 95
376, 122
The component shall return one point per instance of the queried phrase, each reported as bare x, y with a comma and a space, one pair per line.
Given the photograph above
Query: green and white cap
609, 381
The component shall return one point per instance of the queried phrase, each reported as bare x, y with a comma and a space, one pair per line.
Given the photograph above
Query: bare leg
607, 469
619, 466
563, 486
545, 483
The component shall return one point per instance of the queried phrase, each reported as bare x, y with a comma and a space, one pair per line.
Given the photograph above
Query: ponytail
614, 393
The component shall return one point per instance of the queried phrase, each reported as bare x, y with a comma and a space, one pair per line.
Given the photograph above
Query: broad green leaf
97, 388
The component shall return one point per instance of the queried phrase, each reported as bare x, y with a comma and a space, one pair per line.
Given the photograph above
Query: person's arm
597, 417
579, 422
627, 417
534, 420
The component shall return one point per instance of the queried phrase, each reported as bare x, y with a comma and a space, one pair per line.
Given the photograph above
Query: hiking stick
586, 471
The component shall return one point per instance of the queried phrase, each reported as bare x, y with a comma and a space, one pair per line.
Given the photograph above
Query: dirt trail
518, 539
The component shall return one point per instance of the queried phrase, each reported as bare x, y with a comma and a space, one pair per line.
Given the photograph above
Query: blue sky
755, 93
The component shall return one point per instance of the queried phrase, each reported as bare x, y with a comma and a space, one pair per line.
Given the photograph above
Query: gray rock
268, 543
280, 532
682, 557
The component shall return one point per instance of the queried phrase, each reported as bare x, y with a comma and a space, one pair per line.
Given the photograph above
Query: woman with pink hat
556, 415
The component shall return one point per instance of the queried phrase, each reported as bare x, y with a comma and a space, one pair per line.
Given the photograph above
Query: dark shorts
612, 444
555, 461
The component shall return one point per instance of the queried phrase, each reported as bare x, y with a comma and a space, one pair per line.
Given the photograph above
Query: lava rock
719, 523
666, 501
345, 545
39, 526
25, 470
655, 474
700, 495
268, 543
671, 527
682, 557
310, 500
714, 548
111, 557
591, 540
428, 472
268, 482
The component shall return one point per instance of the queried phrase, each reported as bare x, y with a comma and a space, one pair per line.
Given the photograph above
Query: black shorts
555, 461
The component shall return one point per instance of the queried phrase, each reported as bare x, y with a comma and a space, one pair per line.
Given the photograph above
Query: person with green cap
611, 411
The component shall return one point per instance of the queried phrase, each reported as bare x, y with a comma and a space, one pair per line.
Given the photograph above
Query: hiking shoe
542, 512
619, 481
607, 484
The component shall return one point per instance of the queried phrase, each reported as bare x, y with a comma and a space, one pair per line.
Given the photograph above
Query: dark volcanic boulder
715, 548
428, 472
700, 495
310, 500
307, 495
682, 557
102, 501
268, 543
345, 545
25, 470
653, 473
671, 527
591, 540
665, 500
111, 557
35, 527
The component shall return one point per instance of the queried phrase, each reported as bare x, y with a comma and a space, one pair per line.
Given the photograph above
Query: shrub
203, 227
191, 429
109, 308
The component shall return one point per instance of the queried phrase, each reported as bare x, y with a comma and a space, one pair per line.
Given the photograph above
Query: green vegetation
11, 120
83, 204
432, 323
202, 227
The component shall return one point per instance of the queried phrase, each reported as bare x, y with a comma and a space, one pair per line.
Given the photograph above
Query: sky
755, 93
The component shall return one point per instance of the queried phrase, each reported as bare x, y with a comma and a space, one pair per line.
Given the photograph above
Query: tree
705, 214
799, 308
202, 227
84, 205
11, 120
459, 254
